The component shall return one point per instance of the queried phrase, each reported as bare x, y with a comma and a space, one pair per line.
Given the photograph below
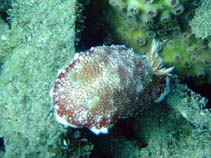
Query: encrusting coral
41, 37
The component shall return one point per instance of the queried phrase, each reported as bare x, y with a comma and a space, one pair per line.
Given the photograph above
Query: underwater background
38, 37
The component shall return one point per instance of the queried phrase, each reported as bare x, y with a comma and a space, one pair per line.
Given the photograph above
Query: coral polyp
107, 83
190, 56
136, 22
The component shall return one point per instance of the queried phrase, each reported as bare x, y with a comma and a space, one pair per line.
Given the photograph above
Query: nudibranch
108, 83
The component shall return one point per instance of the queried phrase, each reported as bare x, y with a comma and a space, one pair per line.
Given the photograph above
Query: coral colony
136, 22
107, 83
